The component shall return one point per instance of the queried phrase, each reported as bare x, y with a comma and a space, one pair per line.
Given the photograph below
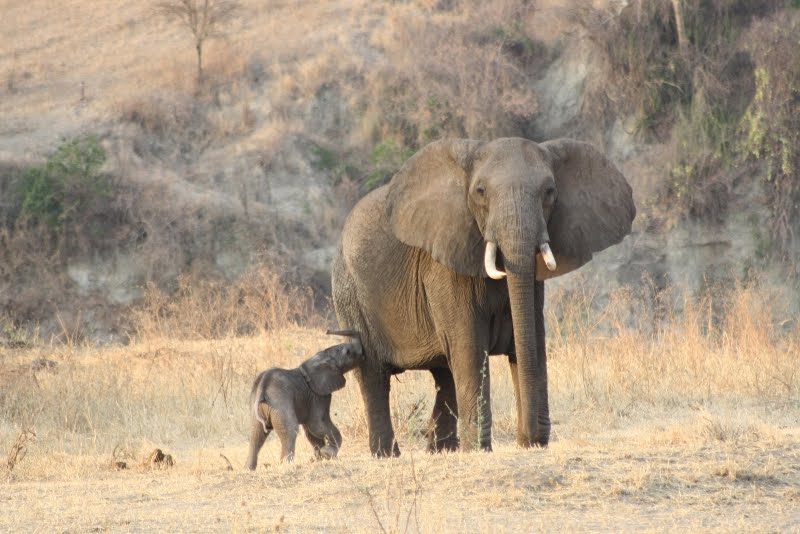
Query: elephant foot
327, 452
529, 443
386, 452
448, 444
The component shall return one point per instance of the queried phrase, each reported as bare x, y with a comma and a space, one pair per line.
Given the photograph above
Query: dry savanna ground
689, 421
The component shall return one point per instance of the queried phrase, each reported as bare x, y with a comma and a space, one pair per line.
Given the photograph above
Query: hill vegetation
129, 175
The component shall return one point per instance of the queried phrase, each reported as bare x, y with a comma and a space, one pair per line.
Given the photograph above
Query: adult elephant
445, 265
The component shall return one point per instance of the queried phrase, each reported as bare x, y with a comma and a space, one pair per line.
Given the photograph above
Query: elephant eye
481, 190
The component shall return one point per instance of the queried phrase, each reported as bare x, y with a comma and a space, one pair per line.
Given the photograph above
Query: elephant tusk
548, 257
490, 262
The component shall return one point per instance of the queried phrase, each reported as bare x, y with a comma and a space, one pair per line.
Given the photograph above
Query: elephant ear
322, 375
594, 208
427, 207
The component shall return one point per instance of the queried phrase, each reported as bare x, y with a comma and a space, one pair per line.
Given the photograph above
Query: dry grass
205, 308
689, 423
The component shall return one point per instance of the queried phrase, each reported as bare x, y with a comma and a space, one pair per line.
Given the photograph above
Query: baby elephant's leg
258, 434
286, 426
330, 435
316, 442
333, 440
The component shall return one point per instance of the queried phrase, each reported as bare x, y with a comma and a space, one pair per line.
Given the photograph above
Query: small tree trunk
677, 7
199, 47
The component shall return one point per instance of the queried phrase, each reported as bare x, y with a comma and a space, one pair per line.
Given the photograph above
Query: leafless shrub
368, 494
449, 74
651, 73
645, 70
400, 501
19, 448
30, 277
71, 329
173, 126
203, 18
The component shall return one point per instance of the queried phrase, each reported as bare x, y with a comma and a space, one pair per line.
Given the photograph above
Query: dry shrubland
647, 406
705, 92
461, 73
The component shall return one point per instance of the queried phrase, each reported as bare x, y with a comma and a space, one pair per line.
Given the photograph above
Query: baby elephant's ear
323, 375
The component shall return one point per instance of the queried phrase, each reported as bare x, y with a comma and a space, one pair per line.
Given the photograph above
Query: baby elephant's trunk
348, 333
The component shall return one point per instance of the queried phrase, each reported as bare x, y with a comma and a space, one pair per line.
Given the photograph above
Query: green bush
770, 129
65, 187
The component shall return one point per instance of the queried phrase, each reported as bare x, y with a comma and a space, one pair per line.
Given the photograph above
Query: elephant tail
259, 417
259, 396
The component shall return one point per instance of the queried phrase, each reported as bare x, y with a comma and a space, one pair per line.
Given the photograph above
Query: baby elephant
283, 399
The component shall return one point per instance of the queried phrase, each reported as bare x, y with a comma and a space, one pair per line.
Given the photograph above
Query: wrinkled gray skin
284, 399
409, 275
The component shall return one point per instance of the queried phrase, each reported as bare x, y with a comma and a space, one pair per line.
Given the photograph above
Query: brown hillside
306, 106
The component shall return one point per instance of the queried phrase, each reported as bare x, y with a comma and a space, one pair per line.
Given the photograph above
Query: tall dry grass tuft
626, 353
19, 448
206, 308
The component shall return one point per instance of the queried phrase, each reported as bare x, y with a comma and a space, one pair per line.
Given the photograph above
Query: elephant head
325, 370
542, 209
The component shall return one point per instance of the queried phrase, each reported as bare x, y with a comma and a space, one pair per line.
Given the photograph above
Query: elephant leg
257, 438
512, 364
287, 428
442, 433
374, 383
330, 437
316, 442
474, 403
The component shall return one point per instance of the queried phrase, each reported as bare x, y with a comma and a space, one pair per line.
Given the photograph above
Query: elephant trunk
527, 299
520, 236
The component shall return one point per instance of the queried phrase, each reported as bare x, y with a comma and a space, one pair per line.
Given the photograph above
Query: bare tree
202, 17
677, 8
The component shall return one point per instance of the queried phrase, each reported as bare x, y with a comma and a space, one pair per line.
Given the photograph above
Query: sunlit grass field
662, 422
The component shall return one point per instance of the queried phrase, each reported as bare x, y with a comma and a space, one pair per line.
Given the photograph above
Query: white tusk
548, 257
490, 262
